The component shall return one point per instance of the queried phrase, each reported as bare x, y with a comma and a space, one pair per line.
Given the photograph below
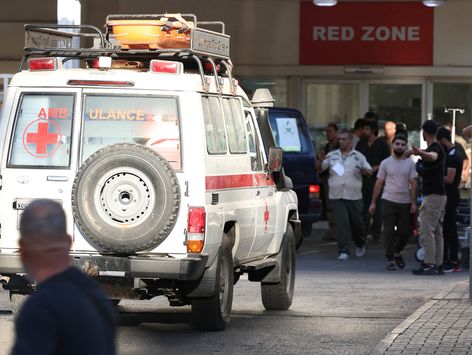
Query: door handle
258, 193
58, 178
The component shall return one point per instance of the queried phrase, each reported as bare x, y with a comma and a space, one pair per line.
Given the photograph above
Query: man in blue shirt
69, 314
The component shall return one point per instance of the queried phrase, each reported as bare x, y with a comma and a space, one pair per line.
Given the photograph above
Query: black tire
125, 198
279, 296
16, 302
213, 313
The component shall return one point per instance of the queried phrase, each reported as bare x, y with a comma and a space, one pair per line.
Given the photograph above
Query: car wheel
213, 313
279, 296
125, 198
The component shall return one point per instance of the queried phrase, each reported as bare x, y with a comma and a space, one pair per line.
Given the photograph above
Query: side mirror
275, 159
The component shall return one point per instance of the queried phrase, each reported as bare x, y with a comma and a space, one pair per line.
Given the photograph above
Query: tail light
166, 66
314, 191
37, 64
196, 229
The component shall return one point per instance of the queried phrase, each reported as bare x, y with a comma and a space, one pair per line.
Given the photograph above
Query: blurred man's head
389, 130
370, 128
359, 127
345, 140
331, 132
430, 128
444, 137
399, 144
44, 242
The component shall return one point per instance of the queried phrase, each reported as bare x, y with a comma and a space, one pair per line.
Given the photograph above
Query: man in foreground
69, 314
397, 178
346, 167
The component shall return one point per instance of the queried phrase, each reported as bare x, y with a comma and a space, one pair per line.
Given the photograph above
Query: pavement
442, 325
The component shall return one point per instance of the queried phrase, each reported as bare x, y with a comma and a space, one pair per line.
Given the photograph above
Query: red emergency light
166, 66
314, 188
36, 64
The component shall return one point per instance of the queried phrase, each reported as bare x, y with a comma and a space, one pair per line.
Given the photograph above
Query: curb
382, 347
385, 343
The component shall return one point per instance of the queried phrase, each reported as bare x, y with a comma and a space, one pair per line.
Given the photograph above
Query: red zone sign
42, 138
366, 33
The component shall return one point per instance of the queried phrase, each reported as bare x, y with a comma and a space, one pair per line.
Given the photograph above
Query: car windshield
151, 121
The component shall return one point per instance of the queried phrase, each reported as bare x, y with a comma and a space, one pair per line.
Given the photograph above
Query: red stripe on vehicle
237, 181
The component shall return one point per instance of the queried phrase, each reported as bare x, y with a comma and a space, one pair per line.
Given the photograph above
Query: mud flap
206, 286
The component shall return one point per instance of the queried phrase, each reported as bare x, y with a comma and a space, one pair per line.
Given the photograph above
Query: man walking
375, 149
397, 178
452, 180
346, 167
434, 201
69, 314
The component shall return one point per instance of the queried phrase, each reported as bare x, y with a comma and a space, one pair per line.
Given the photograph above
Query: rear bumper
159, 267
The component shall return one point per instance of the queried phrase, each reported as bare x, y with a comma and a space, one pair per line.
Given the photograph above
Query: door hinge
1, 182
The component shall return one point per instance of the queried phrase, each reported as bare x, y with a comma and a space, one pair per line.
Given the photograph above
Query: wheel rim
124, 197
223, 285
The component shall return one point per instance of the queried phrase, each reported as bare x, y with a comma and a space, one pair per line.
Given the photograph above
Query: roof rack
52, 40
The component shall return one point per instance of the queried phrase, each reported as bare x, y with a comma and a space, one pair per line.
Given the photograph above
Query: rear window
151, 121
42, 133
288, 133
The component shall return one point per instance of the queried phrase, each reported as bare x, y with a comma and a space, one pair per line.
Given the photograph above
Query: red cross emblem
266, 218
39, 135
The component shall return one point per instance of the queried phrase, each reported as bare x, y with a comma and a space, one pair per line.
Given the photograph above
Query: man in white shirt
346, 167
397, 178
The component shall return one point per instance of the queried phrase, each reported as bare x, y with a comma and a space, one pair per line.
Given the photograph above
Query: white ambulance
169, 177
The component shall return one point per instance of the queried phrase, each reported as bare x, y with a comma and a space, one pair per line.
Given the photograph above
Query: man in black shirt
69, 314
452, 179
434, 200
375, 149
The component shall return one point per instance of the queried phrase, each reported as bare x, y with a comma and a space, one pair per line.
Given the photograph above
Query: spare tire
125, 198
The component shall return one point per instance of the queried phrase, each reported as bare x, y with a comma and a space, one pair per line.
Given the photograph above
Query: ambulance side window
253, 143
234, 125
214, 125
42, 133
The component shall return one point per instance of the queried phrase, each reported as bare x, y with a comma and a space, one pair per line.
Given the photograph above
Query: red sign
370, 33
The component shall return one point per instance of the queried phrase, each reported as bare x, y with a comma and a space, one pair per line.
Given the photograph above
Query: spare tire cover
125, 198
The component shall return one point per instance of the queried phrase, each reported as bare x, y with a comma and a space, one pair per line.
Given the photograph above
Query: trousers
395, 215
349, 223
431, 228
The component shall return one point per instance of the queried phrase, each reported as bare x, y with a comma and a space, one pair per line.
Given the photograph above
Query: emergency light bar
37, 64
166, 66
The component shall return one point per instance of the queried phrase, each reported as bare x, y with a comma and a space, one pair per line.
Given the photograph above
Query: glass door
330, 102
400, 103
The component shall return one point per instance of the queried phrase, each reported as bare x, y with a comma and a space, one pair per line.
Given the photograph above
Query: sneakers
360, 251
343, 256
452, 267
426, 270
391, 265
399, 261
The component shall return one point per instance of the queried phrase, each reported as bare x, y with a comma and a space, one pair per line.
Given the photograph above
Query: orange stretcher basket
151, 34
